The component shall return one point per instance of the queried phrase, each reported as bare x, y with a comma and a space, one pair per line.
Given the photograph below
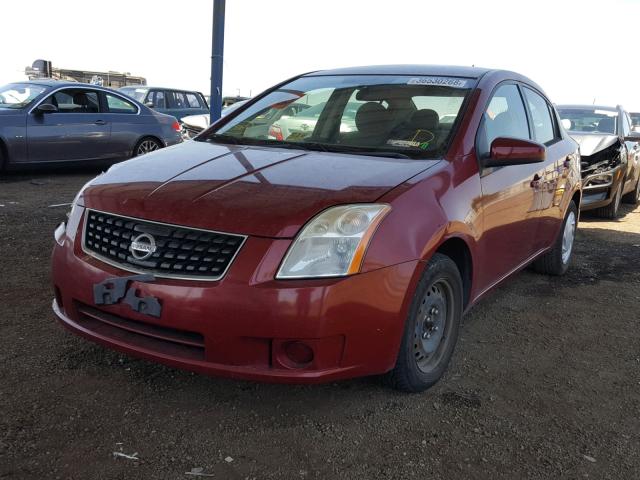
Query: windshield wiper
219, 138
323, 147
378, 153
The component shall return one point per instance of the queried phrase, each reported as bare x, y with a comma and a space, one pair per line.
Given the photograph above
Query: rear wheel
146, 145
556, 261
633, 197
611, 210
431, 328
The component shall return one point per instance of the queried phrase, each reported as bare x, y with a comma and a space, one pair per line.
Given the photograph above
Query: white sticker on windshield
440, 81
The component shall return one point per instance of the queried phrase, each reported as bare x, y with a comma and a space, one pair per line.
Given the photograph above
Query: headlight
333, 243
70, 226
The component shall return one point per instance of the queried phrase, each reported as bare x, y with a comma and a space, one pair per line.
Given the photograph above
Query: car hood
591, 143
259, 191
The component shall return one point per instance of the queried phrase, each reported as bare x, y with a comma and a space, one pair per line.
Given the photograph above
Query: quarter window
192, 99
543, 129
119, 105
504, 117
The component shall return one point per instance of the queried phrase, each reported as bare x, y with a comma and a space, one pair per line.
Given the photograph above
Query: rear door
509, 202
547, 186
78, 131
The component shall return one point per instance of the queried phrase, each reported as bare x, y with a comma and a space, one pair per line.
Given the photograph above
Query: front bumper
599, 189
240, 326
173, 139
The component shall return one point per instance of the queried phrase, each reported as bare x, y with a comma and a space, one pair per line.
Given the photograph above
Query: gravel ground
545, 383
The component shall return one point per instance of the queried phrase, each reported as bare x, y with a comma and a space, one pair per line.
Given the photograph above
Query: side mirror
633, 136
514, 151
149, 104
46, 108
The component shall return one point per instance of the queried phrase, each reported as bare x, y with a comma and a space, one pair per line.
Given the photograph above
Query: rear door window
543, 126
192, 100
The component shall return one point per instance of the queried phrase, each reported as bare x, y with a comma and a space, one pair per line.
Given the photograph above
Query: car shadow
591, 217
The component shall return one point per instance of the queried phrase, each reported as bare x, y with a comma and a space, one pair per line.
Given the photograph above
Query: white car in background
192, 125
299, 126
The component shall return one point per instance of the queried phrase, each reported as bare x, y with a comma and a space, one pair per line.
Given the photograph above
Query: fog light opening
298, 353
58, 297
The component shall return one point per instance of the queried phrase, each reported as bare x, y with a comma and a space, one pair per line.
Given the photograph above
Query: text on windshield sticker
440, 81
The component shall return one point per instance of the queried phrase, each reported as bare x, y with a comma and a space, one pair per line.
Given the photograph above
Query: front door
76, 131
510, 197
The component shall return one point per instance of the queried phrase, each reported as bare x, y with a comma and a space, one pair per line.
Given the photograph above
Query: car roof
444, 70
50, 82
152, 87
588, 107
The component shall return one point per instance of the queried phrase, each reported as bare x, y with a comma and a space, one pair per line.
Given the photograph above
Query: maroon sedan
349, 245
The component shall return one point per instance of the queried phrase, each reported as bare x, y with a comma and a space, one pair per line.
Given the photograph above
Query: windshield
19, 95
405, 116
135, 93
635, 119
590, 119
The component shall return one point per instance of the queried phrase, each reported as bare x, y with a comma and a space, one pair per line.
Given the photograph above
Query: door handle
100, 122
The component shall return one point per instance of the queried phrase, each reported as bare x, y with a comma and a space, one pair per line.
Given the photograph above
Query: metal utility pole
217, 55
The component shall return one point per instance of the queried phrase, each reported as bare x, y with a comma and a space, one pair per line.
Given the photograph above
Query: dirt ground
545, 383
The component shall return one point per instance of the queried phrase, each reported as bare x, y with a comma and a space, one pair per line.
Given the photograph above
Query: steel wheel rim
568, 236
147, 146
432, 326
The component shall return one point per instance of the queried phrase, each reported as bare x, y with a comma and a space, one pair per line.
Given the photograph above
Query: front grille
170, 341
180, 252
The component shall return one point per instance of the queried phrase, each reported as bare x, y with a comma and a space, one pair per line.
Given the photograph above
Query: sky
577, 51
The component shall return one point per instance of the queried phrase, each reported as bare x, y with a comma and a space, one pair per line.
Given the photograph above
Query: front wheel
611, 210
431, 328
556, 261
146, 145
633, 197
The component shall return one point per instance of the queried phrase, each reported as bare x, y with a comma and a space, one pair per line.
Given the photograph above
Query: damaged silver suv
610, 156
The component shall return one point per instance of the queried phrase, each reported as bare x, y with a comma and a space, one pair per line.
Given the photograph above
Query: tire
556, 261
611, 211
633, 197
431, 328
3, 159
146, 145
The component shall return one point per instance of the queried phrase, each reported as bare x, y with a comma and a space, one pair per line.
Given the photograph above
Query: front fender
13, 136
426, 211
